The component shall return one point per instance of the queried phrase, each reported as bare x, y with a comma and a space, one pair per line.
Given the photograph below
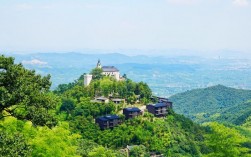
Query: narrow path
142, 108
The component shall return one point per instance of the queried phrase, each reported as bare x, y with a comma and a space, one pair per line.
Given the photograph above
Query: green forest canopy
216, 103
40, 123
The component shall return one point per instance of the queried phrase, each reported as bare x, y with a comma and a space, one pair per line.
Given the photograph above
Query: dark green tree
139, 151
25, 94
14, 145
97, 73
124, 76
67, 105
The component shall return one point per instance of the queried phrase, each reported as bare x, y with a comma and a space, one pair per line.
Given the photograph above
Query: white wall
87, 79
112, 74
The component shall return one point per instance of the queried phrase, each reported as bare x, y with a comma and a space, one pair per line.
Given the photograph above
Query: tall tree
25, 94
97, 73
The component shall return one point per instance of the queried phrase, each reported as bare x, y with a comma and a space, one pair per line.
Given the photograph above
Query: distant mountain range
165, 75
216, 103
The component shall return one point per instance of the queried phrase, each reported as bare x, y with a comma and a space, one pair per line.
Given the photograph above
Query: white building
111, 71
107, 71
87, 79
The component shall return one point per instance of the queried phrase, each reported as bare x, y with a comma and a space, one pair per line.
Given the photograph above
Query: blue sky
78, 25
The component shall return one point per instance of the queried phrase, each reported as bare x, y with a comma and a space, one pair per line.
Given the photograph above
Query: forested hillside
217, 103
237, 114
35, 121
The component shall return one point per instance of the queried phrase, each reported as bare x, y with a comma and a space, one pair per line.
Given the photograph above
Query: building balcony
161, 112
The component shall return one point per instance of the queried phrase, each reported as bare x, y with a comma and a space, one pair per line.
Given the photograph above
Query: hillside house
108, 121
118, 101
166, 101
101, 100
159, 109
131, 112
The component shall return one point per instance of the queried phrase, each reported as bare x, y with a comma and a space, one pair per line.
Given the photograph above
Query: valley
166, 75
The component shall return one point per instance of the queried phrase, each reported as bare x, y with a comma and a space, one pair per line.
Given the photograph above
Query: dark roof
132, 109
109, 69
102, 118
114, 116
164, 100
108, 117
159, 105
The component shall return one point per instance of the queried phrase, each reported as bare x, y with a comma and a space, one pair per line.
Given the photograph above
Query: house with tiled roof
158, 110
166, 101
108, 121
101, 99
131, 112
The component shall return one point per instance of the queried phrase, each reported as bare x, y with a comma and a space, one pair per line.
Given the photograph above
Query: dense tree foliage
96, 73
108, 86
225, 142
24, 94
247, 122
145, 130
64, 87
43, 141
139, 151
237, 114
29, 111
14, 145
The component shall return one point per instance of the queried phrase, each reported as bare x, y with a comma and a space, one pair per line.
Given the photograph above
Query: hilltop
216, 103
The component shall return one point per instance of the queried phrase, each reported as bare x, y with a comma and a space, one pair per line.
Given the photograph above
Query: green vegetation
238, 114
40, 123
25, 94
36, 141
97, 74
14, 145
105, 87
217, 103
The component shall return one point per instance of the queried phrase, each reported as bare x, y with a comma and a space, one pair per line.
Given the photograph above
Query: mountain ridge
211, 103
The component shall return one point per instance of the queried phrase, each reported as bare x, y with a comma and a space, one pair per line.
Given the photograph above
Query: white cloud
182, 2
241, 3
34, 62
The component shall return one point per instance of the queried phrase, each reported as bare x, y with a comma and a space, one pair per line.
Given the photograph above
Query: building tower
99, 64
87, 79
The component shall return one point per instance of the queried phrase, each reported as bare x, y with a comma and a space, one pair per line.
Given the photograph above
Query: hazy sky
77, 25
